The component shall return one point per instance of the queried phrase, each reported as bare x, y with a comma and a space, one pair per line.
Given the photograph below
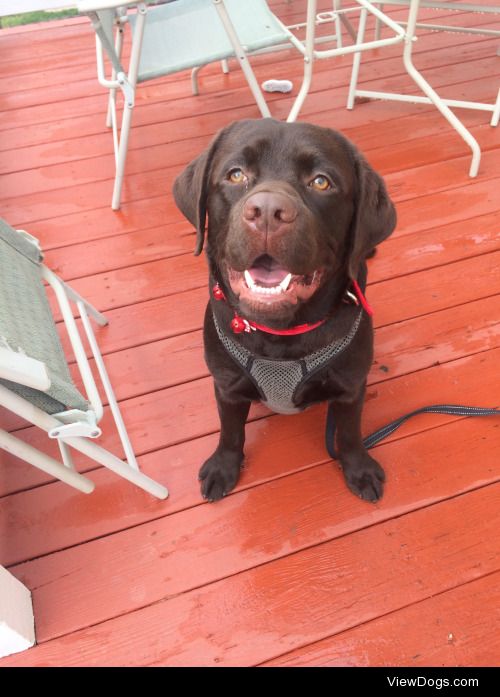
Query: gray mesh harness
278, 381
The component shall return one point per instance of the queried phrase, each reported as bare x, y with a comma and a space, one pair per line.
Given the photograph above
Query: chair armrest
24, 370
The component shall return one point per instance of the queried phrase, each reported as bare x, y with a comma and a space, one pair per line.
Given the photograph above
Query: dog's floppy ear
375, 216
191, 191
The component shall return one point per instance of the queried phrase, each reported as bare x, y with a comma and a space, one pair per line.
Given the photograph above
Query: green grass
32, 17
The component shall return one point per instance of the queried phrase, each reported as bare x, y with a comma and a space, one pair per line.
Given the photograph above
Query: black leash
374, 438
381, 433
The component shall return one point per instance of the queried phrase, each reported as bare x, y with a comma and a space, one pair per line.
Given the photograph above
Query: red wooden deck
291, 569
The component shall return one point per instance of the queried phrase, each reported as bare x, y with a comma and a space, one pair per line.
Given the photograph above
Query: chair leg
496, 112
308, 61
378, 24
112, 462
254, 86
195, 87
63, 294
337, 5
242, 59
108, 389
434, 97
304, 90
342, 21
121, 150
112, 91
111, 107
66, 455
356, 60
44, 462
46, 422
121, 156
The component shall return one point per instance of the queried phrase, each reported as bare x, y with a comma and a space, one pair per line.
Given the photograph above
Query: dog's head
293, 209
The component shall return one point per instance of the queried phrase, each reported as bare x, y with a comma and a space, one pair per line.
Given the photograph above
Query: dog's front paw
364, 477
220, 474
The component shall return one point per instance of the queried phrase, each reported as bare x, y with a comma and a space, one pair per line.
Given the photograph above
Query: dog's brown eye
236, 176
320, 183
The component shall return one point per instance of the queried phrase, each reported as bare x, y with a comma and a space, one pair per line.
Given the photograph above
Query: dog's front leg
221, 471
363, 475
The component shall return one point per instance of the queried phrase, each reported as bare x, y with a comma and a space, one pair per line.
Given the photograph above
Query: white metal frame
431, 96
71, 428
128, 82
311, 53
119, 80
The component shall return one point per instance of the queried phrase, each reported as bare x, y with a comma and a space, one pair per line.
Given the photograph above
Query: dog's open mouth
268, 283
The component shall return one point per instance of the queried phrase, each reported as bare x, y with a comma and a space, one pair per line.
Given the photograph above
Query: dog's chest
279, 381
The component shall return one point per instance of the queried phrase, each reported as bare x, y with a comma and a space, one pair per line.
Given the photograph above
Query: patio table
407, 37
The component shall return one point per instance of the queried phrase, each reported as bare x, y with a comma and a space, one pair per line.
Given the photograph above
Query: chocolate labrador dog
293, 213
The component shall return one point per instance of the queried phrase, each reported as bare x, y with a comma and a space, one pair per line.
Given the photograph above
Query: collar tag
218, 293
239, 325
350, 297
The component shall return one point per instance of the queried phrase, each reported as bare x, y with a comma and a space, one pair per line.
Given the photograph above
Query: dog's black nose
268, 211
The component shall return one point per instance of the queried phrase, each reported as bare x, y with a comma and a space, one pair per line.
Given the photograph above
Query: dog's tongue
267, 270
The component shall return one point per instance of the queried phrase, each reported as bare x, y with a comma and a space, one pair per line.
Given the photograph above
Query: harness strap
374, 438
278, 381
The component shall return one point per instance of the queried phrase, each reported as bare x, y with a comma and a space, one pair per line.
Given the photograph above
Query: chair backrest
27, 325
188, 33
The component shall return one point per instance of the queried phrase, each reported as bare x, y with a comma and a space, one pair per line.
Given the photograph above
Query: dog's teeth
267, 290
285, 283
249, 280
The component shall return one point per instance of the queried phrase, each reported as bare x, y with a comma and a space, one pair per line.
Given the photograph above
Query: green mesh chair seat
187, 33
27, 325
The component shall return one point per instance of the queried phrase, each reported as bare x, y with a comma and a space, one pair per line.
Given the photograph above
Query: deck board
290, 569
276, 606
439, 383
195, 547
456, 629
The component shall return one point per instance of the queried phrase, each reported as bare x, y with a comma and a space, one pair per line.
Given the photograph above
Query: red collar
239, 324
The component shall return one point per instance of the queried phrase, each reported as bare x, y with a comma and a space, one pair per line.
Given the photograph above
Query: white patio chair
172, 37
431, 96
340, 14
35, 381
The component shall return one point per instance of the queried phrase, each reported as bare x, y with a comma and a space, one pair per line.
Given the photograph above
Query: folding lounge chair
35, 381
172, 37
